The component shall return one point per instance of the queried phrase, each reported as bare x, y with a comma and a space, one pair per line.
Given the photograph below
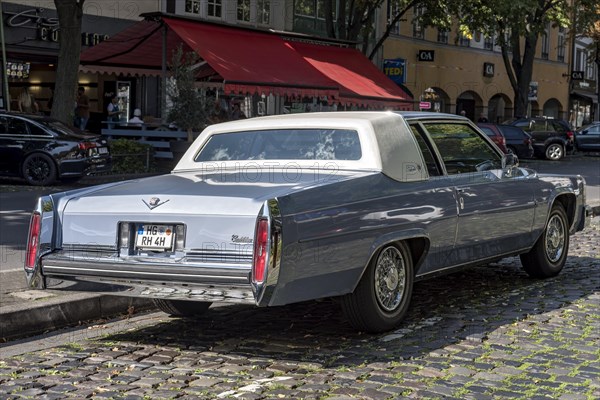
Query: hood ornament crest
154, 202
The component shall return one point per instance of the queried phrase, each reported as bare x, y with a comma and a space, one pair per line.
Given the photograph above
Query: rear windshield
283, 144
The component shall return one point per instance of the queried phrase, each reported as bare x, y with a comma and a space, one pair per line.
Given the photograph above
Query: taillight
570, 135
261, 243
527, 141
87, 145
33, 240
503, 141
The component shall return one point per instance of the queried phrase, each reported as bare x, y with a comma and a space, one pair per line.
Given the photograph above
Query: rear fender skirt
413, 236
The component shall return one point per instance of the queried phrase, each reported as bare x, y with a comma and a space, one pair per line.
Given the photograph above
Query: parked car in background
587, 138
552, 138
283, 209
43, 150
514, 139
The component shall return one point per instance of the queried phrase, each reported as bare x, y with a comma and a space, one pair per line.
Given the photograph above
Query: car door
589, 138
13, 140
495, 205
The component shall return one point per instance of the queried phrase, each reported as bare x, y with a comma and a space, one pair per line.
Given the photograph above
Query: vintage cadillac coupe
283, 209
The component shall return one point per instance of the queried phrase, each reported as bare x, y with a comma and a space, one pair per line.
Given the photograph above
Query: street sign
577, 75
424, 105
532, 95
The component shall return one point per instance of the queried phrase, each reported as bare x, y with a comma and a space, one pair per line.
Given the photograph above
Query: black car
553, 138
514, 139
587, 138
42, 149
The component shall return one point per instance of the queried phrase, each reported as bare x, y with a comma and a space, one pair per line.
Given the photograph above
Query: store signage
488, 70
47, 27
395, 69
532, 95
577, 75
426, 55
17, 70
424, 105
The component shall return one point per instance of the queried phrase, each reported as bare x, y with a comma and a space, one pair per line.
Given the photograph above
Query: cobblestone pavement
486, 333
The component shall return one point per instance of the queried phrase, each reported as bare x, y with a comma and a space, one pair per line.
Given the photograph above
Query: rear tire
555, 151
182, 308
39, 170
383, 294
549, 254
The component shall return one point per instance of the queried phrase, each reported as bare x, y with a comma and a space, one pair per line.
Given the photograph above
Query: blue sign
395, 69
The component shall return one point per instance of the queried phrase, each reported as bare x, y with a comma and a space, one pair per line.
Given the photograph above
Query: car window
488, 131
594, 129
3, 126
284, 144
36, 130
558, 127
461, 148
511, 132
17, 126
540, 125
432, 166
523, 125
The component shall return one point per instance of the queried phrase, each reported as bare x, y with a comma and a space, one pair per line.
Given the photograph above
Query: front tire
39, 170
382, 296
182, 308
549, 254
555, 152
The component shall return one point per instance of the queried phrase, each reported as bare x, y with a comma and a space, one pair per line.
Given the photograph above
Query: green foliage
190, 109
130, 156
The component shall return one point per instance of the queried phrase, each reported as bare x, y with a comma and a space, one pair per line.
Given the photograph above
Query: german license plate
158, 237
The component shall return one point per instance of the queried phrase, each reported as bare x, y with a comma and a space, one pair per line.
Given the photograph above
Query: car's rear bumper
84, 166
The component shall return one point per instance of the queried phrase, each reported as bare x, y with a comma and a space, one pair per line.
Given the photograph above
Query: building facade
584, 82
453, 73
31, 42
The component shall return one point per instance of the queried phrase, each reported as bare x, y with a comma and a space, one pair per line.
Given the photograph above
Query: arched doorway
500, 108
471, 103
553, 108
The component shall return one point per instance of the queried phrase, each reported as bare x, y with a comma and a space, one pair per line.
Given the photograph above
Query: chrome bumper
214, 283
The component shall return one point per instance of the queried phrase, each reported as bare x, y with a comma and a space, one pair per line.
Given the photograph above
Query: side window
510, 132
462, 149
488, 131
3, 126
432, 166
557, 127
594, 130
36, 130
17, 127
540, 125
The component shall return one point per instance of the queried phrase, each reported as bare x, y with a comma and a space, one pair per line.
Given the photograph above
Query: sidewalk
26, 312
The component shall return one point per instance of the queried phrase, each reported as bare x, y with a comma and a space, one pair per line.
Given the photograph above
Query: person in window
113, 111
27, 103
136, 120
237, 113
82, 112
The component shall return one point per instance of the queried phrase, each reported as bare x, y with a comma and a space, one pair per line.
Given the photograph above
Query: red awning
251, 61
360, 81
248, 61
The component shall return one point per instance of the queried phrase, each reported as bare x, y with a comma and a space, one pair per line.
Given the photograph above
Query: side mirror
509, 161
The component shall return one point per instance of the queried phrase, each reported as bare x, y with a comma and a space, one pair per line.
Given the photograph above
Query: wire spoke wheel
390, 278
555, 239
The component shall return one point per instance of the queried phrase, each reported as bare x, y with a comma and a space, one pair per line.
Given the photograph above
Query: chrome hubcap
554, 152
555, 238
390, 278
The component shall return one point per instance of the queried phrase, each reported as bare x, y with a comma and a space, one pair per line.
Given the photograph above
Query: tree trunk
525, 75
70, 13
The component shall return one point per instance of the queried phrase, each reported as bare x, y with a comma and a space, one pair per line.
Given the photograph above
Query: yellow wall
458, 69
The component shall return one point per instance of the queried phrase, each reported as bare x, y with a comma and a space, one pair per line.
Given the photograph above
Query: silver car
282, 209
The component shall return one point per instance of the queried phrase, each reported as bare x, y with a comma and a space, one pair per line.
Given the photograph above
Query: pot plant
190, 108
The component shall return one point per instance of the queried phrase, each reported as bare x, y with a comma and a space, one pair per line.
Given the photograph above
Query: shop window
192, 6
264, 12
243, 10
214, 8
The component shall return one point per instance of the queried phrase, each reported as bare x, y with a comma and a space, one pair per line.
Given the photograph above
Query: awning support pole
163, 86
6, 93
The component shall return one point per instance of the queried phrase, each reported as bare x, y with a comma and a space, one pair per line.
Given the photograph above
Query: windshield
283, 144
